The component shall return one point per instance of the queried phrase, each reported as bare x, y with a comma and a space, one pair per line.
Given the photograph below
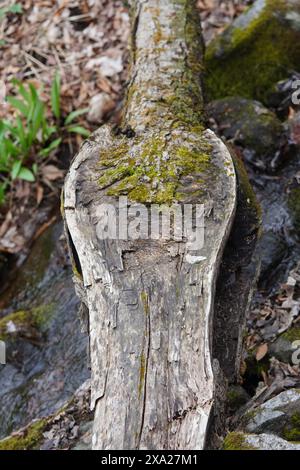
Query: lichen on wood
151, 169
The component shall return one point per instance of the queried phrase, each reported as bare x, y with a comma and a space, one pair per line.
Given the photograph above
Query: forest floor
86, 41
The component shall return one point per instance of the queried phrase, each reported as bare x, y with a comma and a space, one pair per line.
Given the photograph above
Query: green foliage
16, 8
33, 133
69, 125
55, 96
12, 9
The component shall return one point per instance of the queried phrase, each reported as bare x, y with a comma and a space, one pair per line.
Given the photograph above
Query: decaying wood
151, 302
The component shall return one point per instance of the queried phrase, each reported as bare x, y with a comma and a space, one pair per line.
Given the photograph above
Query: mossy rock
282, 348
292, 430
263, 441
24, 322
259, 49
236, 397
293, 334
28, 438
279, 416
236, 441
250, 126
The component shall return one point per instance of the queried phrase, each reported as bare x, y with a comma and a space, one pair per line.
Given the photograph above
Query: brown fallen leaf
39, 194
261, 351
52, 173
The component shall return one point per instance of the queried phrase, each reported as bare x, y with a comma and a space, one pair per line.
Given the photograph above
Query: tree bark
150, 302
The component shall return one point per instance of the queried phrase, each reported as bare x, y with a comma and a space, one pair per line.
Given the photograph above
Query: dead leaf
39, 194
261, 351
52, 173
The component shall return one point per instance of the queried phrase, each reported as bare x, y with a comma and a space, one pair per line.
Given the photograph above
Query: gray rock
85, 440
285, 346
243, 441
271, 248
270, 442
250, 126
279, 415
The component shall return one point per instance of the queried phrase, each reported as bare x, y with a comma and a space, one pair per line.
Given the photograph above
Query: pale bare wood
154, 382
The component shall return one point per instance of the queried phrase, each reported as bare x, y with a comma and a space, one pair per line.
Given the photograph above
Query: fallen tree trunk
151, 301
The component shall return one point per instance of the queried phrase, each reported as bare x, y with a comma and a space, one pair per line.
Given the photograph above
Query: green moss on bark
178, 95
150, 170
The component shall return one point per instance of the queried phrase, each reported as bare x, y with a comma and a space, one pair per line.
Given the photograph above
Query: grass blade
55, 96
74, 114
79, 130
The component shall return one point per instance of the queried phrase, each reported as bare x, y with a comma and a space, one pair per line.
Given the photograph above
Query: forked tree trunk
151, 302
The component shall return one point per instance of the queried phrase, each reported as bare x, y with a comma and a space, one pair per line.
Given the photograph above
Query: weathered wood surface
151, 302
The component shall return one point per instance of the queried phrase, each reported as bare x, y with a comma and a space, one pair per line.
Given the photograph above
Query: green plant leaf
36, 121
16, 169
4, 156
78, 130
34, 93
3, 128
35, 168
55, 96
35, 102
19, 105
3, 187
7, 126
21, 135
22, 90
48, 131
11, 148
16, 8
74, 114
3, 12
44, 152
26, 174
